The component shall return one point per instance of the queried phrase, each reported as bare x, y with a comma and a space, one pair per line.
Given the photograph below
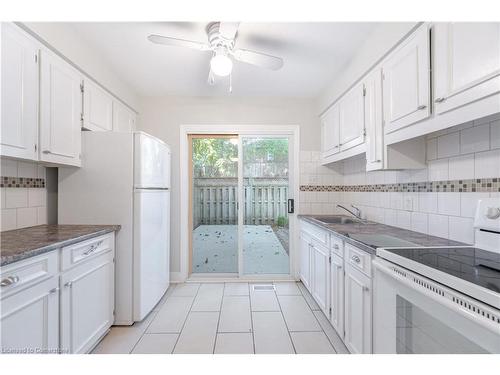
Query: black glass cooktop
477, 266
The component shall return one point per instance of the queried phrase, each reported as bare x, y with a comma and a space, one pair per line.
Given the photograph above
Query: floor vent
264, 288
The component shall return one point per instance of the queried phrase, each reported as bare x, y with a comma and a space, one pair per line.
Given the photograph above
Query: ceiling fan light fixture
221, 64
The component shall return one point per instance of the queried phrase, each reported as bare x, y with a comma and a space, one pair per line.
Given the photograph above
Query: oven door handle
389, 268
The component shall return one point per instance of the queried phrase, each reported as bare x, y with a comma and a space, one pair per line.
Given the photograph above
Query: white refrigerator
125, 179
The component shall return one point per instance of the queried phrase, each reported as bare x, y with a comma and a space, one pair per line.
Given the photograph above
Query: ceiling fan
221, 43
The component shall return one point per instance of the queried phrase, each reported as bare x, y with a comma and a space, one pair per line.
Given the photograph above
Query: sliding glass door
239, 198
214, 204
264, 226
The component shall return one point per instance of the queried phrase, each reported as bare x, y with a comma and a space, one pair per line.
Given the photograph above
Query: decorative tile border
473, 185
21, 182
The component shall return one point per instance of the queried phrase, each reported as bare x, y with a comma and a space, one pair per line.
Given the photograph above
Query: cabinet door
330, 132
406, 82
123, 118
337, 294
97, 107
373, 121
467, 63
351, 118
357, 311
19, 81
320, 276
305, 262
60, 111
87, 303
30, 319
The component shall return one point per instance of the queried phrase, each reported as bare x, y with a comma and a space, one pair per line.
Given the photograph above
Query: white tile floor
226, 318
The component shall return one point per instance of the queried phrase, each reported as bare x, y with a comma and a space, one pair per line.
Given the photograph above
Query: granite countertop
372, 228
19, 244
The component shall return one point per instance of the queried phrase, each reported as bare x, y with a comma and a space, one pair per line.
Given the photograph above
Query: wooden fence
216, 201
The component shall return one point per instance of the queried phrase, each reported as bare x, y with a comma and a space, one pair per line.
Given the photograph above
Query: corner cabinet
466, 63
406, 81
123, 118
97, 107
60, 111
330, 132
19, 93
351, 118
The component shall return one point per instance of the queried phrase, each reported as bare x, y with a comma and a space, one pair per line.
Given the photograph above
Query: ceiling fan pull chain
230, 82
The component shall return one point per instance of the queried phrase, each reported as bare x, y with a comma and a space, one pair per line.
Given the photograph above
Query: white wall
163, 116
67, 41
377, 44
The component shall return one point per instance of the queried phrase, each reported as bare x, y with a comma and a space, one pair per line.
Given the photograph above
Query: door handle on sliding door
291, 206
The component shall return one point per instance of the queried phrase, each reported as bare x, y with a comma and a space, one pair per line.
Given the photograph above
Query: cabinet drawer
82, 251
15, 277
337, 246
315, 232
358, 259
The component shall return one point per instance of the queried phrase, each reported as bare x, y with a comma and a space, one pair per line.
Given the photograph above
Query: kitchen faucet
357, 215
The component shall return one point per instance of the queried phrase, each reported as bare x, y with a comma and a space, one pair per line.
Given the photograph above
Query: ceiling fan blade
228, 30
258, 59
168, 41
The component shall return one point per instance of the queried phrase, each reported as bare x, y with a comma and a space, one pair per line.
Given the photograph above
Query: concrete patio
215, 250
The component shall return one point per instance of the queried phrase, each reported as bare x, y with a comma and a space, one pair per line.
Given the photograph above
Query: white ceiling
313, 54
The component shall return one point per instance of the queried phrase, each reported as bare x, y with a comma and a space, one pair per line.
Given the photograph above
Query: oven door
413, 314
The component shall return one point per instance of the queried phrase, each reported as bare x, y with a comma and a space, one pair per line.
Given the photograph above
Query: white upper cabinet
19, 82
406, 82
351, 118
97, 107
374, 121
60, 111
466, 63
123, 118
330, 132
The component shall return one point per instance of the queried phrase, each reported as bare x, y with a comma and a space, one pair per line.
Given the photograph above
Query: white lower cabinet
321, 276
43, 310
30, 319
87, 296
358, 311
305, 261
337, 294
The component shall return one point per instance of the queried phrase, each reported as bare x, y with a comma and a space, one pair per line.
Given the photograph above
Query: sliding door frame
186, 133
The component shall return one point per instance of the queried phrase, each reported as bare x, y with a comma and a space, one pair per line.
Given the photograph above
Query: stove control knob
493, 213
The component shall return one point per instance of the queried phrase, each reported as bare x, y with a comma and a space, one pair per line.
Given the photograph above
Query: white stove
441, 299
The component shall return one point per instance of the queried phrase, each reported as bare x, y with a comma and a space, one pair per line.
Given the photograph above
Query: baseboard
176, 277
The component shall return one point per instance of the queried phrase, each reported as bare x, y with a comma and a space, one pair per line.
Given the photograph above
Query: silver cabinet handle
68, 284
11, 280
355, 258
52, 291
366, 289
423, 106
439, 100
92, 248
45, 152
336, 246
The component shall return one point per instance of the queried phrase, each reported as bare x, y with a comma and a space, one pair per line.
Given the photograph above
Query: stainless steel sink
339, 219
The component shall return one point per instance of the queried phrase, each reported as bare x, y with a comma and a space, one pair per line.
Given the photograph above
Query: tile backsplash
24, 203
465, 154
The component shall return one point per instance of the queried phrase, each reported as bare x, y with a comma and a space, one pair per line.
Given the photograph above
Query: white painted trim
248, 129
